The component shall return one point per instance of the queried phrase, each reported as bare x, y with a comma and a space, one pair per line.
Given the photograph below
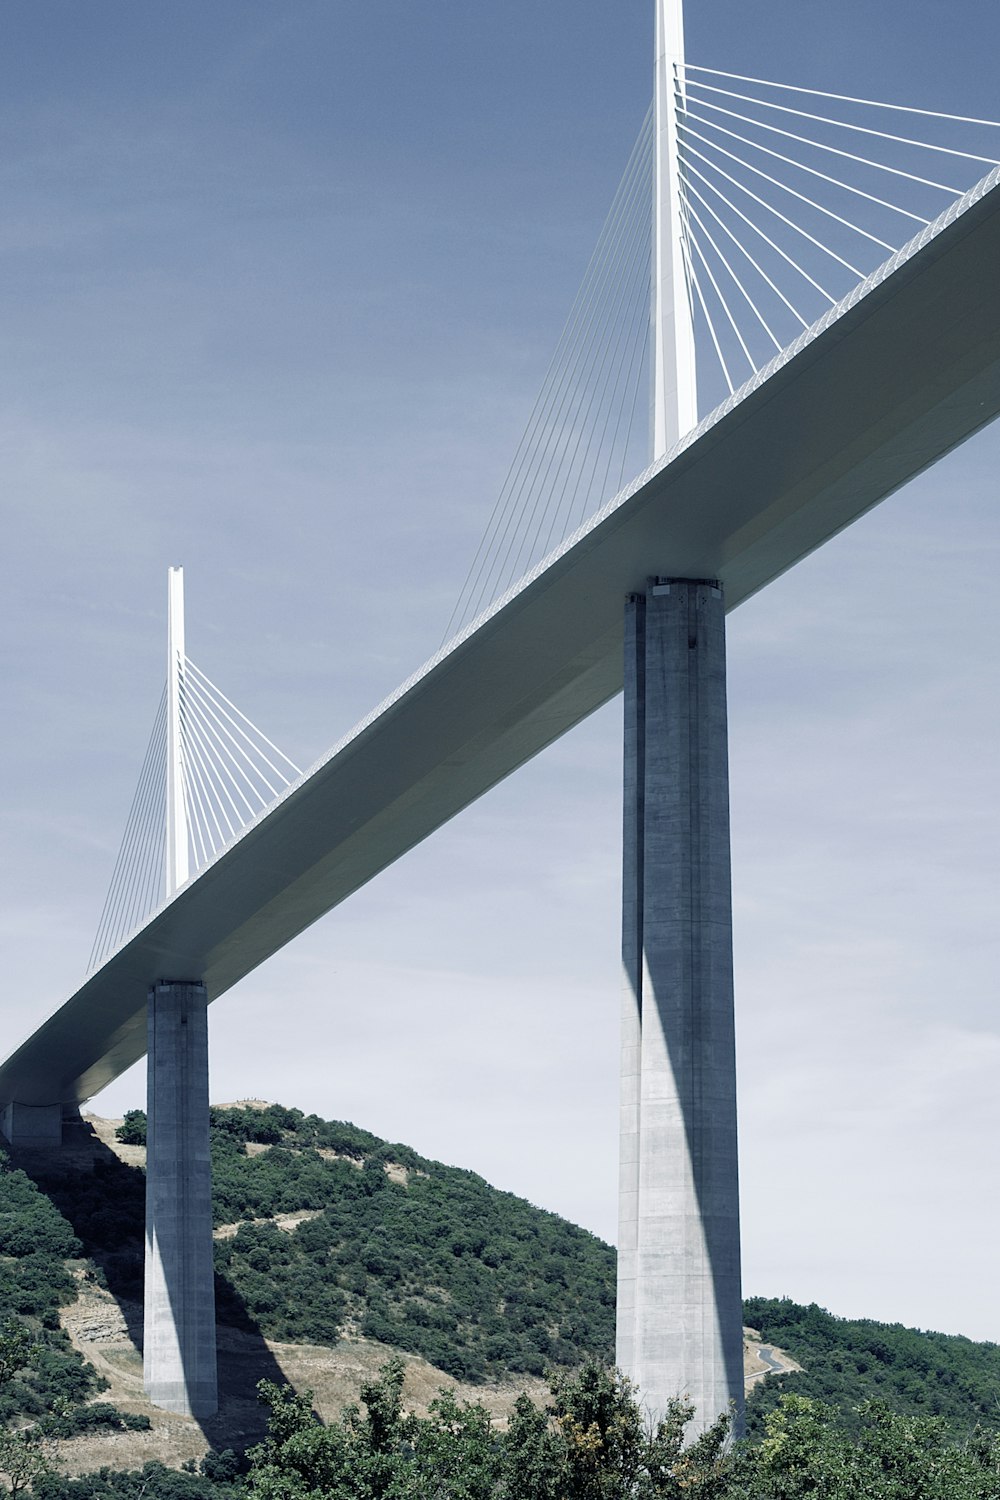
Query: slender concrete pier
679, 1301
179, 1359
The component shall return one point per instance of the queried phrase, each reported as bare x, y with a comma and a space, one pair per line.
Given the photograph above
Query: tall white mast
674, 391
177, 826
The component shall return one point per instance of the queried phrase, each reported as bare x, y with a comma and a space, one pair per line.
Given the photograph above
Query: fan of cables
792, 196
587, 429
230, 774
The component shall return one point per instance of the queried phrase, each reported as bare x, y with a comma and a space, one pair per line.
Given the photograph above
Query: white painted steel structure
674, 389
177, 868
892, 378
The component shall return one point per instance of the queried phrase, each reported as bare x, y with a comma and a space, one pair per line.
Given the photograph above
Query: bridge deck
903, 371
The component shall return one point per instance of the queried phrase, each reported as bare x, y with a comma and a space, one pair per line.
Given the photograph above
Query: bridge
887, 379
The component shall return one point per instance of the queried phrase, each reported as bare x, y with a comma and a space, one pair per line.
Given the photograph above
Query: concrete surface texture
679, 1299
179, 1352
25, 1124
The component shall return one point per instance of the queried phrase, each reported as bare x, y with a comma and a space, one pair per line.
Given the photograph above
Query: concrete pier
33, 1124
179, 1357
679, 1296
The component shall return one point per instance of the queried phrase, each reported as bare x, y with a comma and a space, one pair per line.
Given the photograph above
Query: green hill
427, 1258
846, 1361
326, 1232
422, 1256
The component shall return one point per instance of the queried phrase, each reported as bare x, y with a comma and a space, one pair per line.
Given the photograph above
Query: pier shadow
103, 1199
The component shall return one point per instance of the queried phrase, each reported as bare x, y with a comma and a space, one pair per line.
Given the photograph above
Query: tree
456, 1453
17, 1349
533, 1459
602, 1429
23, 1458
611, 1453
132, 1130
23, 1455
358, 1458
592, 1443
890, 1456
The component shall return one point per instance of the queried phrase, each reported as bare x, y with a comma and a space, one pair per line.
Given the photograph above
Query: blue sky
279, 286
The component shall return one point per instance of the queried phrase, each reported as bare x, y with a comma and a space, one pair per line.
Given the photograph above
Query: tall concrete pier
179, 1360
679, 1298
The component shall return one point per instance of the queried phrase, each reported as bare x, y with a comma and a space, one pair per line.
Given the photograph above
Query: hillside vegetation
325, 1232
42, 1377
427, 1258
590, 1442
846, 1361
422, 1256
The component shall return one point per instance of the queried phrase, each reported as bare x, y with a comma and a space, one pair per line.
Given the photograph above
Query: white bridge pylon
679, 1307
177, 834
674, 384
749, 210
208, 773
885, 377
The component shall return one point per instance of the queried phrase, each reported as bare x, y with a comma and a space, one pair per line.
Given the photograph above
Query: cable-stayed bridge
840, 376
